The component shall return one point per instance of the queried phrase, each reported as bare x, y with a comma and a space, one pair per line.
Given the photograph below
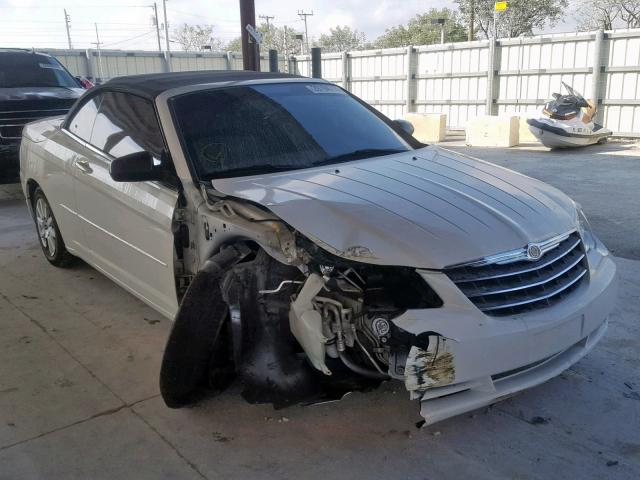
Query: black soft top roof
153, 84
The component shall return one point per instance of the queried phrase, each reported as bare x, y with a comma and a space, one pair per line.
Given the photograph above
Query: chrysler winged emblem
534, 252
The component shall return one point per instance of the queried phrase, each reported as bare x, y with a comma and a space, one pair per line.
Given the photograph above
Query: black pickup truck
32, 86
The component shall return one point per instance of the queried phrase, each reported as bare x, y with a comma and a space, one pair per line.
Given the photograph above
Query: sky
127, 24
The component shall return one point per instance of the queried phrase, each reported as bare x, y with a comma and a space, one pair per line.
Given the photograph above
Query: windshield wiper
255, 170
359, 154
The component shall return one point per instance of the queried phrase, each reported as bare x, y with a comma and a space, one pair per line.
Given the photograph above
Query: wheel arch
30, 190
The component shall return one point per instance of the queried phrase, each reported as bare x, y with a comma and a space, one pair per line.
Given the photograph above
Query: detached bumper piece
440, 403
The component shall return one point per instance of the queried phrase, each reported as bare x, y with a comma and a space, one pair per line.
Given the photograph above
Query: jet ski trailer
567, 121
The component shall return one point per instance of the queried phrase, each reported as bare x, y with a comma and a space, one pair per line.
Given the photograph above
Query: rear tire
49, 234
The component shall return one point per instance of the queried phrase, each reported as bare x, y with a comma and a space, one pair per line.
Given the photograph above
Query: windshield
572, 91
272, 127
32, 70
565, 106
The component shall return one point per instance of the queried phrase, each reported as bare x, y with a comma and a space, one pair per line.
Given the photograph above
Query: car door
127, 225
62, 150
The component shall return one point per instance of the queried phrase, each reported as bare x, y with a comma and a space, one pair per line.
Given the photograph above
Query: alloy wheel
46, 228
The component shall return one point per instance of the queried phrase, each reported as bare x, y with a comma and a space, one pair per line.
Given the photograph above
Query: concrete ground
79, 362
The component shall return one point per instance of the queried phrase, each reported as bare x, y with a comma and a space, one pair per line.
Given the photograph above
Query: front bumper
9, 162
491, 358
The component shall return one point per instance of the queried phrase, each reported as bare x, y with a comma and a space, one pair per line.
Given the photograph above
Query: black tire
49, 234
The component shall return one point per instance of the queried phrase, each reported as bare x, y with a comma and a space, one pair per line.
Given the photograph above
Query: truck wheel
48, 232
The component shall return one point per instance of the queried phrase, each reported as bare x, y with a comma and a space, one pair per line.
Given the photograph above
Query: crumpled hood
427, 208
38, 98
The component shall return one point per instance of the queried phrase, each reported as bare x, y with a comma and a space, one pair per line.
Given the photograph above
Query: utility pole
304, 16
155, 19
67, 23
167, 55
166, 25
267, 18
472, 21
250, 48
97, 43
286, 49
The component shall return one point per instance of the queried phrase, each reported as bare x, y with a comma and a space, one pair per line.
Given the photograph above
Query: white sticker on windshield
324, 88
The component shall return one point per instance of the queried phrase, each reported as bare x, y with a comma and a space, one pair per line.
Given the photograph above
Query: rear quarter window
81, 124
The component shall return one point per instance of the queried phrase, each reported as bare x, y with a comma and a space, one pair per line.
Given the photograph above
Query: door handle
83, 166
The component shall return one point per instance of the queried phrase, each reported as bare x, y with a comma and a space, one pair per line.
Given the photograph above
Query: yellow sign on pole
501, 6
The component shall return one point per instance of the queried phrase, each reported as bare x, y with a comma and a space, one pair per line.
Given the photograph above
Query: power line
102, 5
128, 39
195, 15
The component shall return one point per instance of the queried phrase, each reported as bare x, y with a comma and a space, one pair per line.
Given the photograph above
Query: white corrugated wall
453, 78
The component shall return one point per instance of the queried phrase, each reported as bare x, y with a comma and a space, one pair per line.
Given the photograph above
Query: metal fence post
491, 77
345, 71
88, 63
596, 76
273, 60
316, 62
410, 87
229, 58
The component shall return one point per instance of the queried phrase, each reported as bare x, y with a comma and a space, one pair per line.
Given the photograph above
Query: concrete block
429, 127
493, 131
524, 133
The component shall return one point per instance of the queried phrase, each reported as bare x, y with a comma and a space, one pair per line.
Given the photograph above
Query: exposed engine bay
299, 324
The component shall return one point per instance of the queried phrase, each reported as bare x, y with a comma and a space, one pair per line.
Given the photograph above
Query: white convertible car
308, 246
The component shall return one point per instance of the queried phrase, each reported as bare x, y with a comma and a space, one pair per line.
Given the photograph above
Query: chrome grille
12, 123
520, 286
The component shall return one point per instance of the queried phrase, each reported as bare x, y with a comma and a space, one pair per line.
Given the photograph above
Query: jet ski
567, 121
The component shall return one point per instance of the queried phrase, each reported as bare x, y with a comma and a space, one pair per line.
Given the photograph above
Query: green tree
521, 17
421, 31
194, 37
272, 37
341, 39
234, 45
607, 14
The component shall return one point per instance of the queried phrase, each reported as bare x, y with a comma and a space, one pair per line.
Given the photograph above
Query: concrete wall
462, 80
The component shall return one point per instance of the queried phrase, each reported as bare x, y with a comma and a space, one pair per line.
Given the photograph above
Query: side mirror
135, 167
404, 125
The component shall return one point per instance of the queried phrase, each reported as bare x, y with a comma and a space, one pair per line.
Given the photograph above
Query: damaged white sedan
308, 246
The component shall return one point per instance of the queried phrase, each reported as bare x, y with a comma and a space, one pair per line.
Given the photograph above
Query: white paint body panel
427, 208
122, 229
549, 340
581, 134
